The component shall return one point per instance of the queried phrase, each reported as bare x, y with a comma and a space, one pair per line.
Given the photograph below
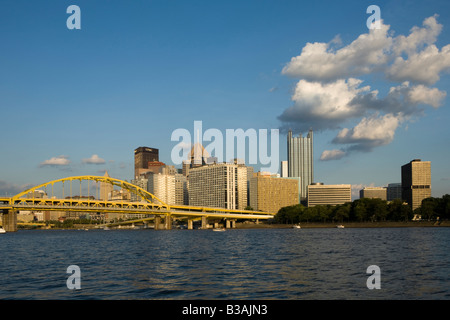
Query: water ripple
237, 264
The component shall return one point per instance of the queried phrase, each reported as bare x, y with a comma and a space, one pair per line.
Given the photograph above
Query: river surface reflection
236, 264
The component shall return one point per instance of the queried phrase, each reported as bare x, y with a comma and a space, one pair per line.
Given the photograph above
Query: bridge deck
83, 205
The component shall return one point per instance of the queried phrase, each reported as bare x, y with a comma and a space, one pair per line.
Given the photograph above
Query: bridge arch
143, 194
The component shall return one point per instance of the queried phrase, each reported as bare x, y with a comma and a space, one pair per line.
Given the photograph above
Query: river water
285, 264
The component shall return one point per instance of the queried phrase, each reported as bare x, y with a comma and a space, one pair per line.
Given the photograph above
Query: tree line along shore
369, 212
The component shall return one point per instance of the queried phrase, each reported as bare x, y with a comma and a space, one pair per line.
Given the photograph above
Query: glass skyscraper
300, 160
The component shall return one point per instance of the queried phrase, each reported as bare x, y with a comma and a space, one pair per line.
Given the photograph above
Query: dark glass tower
142, 156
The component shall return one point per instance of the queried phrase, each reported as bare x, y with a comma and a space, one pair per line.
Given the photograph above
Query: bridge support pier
157, 222
168, 222
204, 223
190, 224
9, 220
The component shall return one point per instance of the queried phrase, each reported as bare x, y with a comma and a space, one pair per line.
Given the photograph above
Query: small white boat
340, 226
2, 230
219, 229
296, 226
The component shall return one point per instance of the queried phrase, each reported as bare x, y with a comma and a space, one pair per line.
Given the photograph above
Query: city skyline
80, 101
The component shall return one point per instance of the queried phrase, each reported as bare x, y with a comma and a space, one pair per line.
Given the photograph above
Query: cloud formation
329, 95
370, 132
324, 105
321, 62
56, 161
7, 188
332, 155
94, 159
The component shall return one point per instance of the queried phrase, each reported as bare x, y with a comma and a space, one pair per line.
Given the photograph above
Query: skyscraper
162, 186
300, 160
220, 185
416, 182
142, 156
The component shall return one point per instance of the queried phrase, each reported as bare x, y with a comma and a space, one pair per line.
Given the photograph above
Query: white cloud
320, 62
324, 105
328, 93
424, 60
374, 52
370, 132
56, 161
423, 95
332, 155
94, 159
418, 37
422, 67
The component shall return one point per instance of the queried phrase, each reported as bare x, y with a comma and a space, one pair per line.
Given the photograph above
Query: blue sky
138, 70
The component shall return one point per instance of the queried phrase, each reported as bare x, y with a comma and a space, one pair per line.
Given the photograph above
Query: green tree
399, 211
67, 224
290, 214
309, 214
443, 207
323, 212
280, 217
406, 212
429, 208
379, 209
342, 212
359, 210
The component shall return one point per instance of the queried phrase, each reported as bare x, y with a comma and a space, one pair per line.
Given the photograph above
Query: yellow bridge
146, 204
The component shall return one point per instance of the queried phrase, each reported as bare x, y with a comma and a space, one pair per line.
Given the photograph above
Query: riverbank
304, 225
381, 224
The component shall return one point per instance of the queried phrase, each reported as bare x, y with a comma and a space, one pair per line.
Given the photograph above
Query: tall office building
270, 194
162, 186
332, 194
142, 156
300, 160
416, 182
181, 190
141, 182
165, 183
219, 185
